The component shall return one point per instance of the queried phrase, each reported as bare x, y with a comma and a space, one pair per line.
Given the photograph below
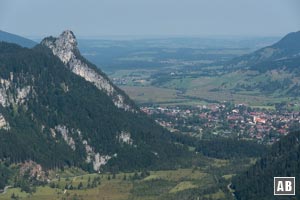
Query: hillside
271, 72
284, 53
11, 38
282, 161
60, 110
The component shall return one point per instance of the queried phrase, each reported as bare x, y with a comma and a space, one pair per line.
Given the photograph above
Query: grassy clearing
183, 186
218, 195
70, 172
228, 176
220, 163
177, 175
182, 83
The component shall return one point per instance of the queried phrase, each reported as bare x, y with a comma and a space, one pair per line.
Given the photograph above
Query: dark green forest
282, 160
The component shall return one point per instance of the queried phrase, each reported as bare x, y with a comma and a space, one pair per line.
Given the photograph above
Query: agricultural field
151, 94
188, 88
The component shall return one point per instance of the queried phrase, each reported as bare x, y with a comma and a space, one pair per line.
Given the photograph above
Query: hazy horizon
156, 18
159, 37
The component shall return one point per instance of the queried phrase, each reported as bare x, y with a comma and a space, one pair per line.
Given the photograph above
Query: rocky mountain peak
65, 48
68, 40
68, 34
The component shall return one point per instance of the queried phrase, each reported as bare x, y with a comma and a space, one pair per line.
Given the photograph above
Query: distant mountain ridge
284, 51
290, 43
270, 71
12, 38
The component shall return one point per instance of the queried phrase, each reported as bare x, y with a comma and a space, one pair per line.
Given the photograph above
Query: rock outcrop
65, 48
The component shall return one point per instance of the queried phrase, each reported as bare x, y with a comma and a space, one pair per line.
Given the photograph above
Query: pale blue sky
150, 17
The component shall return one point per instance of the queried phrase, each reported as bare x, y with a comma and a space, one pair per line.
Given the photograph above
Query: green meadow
206, 182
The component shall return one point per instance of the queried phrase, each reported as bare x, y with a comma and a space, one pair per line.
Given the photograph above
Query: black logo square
284, 185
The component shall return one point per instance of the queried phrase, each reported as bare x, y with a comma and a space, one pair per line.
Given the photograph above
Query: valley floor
206, 182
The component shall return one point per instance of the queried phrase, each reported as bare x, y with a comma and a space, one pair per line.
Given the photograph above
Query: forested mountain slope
283, 160
67, 113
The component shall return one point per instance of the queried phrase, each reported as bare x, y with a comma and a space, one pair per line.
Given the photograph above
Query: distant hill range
284, 53
273, 70
283, 160
11, 38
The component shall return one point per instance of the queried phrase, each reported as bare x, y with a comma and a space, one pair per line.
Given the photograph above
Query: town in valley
227, 120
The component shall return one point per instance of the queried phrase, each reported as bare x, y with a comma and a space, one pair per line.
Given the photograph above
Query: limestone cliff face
65, 48
12, 95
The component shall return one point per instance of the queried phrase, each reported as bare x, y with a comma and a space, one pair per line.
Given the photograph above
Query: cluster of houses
265, 126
